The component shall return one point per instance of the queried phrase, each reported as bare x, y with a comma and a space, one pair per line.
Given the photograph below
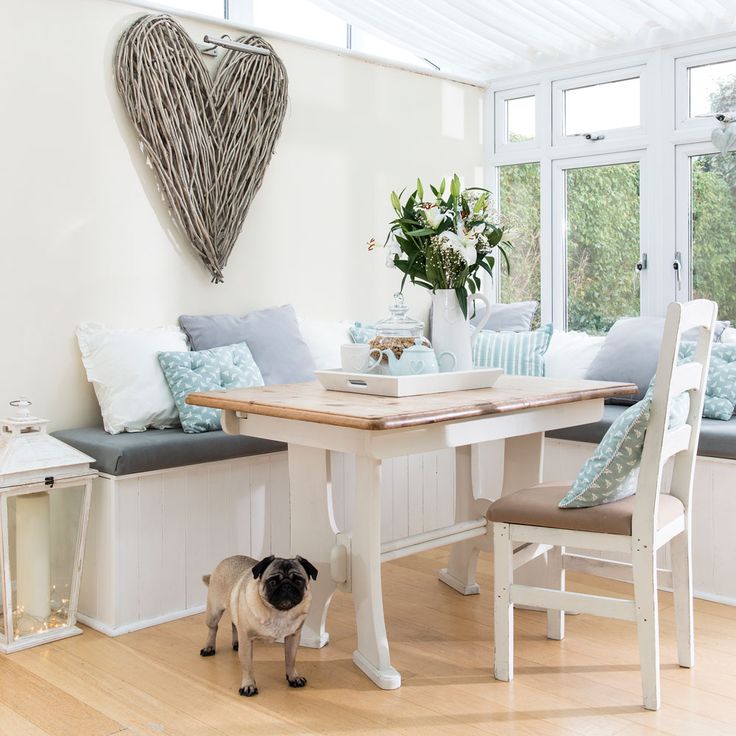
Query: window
711, 88
606, 106
300, 18
713, 230
601, 230
367, 43
519, 210
520, 119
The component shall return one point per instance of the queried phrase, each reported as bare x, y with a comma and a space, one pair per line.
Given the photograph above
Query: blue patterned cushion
227, 367
720, 391
612, 472
518, 353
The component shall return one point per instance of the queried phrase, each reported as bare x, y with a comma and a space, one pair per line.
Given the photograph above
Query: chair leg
555, 618
682, 588
503, 610
644, 564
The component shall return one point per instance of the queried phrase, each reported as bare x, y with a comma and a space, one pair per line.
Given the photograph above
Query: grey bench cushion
717, 438
156, 449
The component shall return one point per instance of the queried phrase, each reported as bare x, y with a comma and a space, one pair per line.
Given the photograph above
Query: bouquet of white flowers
442, 243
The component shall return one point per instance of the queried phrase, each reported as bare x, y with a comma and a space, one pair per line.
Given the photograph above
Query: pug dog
267, 600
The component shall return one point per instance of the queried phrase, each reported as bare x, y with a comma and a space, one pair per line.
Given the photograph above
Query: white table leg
523, 464
372, 654
313, 531
460, 571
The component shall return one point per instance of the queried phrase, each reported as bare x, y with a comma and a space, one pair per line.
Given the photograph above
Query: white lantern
45, 489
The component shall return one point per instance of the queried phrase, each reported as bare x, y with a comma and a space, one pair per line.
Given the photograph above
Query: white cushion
324, 340
728, 336
123, 367
570, 354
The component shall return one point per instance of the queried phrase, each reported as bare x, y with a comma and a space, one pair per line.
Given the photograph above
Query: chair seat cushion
141, 452
538, 506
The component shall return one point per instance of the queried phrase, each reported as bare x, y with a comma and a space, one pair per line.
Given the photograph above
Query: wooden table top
312, 403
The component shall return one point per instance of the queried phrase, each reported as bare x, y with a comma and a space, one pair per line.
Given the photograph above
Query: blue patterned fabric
518, 353
227, 367
612, 472
720, 391
361, 333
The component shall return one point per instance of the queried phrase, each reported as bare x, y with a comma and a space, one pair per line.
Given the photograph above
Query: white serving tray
396, 386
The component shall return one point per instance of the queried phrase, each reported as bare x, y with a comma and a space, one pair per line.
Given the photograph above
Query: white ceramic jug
451, 329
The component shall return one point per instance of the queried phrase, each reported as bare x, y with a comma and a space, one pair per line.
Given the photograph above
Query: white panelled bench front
168, 506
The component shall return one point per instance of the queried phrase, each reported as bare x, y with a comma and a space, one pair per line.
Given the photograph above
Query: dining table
496, 433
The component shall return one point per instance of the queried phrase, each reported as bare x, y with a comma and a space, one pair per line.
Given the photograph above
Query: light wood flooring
154, 681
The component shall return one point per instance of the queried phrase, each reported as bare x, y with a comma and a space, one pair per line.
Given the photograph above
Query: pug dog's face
284, 582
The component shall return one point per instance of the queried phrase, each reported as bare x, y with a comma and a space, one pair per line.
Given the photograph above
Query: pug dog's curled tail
206, 579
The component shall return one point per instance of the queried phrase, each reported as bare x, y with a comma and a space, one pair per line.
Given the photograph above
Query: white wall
85, 237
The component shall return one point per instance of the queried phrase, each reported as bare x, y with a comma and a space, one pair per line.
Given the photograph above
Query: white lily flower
393, 249
434, 216
464, 244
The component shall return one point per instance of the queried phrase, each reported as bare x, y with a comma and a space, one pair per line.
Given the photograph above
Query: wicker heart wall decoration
208, 140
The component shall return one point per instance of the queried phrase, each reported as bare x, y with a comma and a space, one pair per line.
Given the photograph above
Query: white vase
451, 329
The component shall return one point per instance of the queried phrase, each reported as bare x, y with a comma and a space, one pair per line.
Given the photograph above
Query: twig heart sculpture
208, 140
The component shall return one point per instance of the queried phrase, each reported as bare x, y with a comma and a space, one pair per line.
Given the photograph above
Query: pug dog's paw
296, 681
248, 691
207, 652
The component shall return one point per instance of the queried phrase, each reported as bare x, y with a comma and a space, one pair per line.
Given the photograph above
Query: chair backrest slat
660, 442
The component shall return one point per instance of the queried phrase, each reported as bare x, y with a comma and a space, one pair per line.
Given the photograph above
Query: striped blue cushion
518, 353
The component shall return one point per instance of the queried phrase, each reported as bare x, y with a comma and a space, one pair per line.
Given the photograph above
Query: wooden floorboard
154, 682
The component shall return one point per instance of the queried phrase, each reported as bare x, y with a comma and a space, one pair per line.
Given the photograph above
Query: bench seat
131, 453
717, 438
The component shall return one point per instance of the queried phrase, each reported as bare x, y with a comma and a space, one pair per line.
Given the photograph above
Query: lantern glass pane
43, 532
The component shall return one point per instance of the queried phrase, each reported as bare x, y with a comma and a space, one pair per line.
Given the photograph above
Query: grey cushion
139, 452
272, 335
630, 353
514, 317
717, 438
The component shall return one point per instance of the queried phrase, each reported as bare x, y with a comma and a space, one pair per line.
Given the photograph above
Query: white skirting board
152, 536
714, 516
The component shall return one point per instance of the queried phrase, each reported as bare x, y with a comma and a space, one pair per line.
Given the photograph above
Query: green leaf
462, 297
396, 203
422, 231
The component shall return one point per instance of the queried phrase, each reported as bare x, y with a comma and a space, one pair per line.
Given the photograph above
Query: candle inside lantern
33, 554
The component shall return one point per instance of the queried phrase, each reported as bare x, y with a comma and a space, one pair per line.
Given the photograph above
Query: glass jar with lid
398, 331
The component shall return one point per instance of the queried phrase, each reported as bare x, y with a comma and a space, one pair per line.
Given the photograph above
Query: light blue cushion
227, 367
518, 353
720, 391
612, 472
361, 333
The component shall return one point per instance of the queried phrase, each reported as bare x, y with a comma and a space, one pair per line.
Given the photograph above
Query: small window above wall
705, 87
215, 8
598, 107
301, 19
516, 119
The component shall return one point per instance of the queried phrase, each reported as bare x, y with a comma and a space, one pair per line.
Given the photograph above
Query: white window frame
683, 209
662, 141
561, 86
501, 98
683, 64
558, 255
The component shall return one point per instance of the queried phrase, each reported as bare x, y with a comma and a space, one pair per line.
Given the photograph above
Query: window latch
590, 136
677, 266
640, 266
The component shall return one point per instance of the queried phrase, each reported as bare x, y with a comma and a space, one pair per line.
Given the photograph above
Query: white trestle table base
498, 438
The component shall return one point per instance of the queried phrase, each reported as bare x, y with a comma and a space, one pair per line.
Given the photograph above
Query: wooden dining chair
529, 522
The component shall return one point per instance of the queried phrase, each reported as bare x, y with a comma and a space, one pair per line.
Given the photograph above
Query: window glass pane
206, 7
602, 233
712, 88
300, 18
520, 119
602, 107
519, 209
713, 231
367, 43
